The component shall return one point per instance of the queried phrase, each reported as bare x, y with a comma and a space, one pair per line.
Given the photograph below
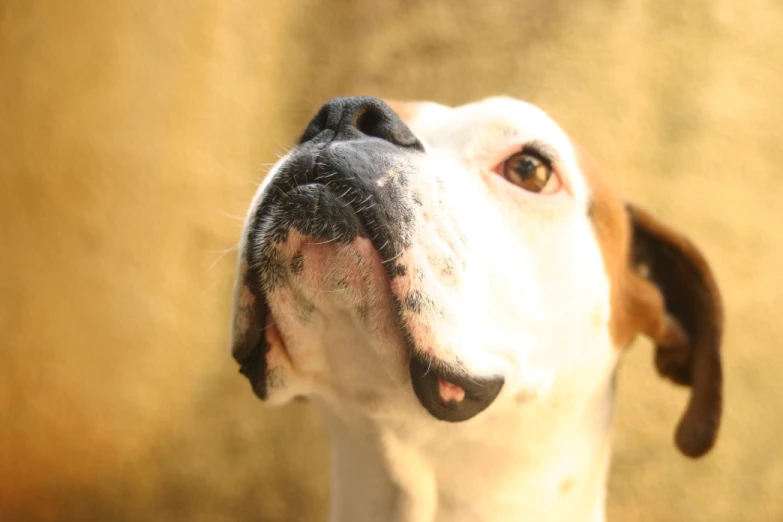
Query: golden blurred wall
132, 135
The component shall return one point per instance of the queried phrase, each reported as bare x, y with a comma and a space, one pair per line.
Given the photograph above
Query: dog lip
254, 368
250, 350
479, 392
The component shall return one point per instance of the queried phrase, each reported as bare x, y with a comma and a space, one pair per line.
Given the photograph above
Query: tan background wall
132, 135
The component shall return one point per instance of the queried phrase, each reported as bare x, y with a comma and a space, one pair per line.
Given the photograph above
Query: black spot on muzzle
479, 392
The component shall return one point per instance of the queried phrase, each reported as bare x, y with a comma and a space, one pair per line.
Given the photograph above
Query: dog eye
528, 170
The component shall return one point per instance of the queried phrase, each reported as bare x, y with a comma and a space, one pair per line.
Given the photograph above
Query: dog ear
674, 294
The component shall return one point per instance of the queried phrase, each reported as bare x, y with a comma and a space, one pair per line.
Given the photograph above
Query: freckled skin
297, 263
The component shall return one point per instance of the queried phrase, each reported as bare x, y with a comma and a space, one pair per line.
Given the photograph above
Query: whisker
429, 366
393, 257
222, 254
324, 242
222, 250
241, 219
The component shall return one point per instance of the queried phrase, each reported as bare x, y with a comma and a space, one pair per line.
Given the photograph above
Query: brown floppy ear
676, 294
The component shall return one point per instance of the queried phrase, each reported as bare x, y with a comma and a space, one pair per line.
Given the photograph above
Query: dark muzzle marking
479, 392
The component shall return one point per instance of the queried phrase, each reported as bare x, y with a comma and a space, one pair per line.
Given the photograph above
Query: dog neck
546, 461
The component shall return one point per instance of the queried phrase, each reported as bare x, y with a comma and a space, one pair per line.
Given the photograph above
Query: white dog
453, 288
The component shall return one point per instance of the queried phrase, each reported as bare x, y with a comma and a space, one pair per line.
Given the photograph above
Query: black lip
251, 351
479, 392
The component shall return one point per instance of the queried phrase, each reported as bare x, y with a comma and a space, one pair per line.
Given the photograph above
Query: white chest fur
546, 461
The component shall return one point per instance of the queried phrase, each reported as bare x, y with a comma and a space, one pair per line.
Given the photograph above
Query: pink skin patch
277, 357
426, 323
273, 338
450, 392
330, 277
351, 277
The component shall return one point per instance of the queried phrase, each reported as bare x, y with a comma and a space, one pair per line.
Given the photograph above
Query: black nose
357, 117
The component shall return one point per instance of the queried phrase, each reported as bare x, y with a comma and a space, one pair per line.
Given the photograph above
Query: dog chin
321, 301
328, 276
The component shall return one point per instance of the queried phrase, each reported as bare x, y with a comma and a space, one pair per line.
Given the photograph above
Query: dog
453, 288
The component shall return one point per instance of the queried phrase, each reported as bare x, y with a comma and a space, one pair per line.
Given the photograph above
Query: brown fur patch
662, 286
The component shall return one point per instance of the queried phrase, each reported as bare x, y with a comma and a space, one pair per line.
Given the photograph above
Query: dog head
411, 254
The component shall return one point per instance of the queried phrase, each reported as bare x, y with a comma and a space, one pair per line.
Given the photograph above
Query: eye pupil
528, 171
525, 167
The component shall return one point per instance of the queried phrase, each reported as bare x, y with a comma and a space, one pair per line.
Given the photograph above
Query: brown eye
528, 171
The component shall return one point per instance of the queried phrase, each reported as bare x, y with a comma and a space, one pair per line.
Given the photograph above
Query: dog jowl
453, 288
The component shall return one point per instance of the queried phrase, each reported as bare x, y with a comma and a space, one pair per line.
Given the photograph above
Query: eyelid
541, 150
544, 152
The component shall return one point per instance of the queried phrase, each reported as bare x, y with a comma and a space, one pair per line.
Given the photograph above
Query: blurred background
133, 134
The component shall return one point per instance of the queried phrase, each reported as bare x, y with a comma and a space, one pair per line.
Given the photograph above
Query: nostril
378, 121
371, 122
354, 117
319, 123
321, 120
